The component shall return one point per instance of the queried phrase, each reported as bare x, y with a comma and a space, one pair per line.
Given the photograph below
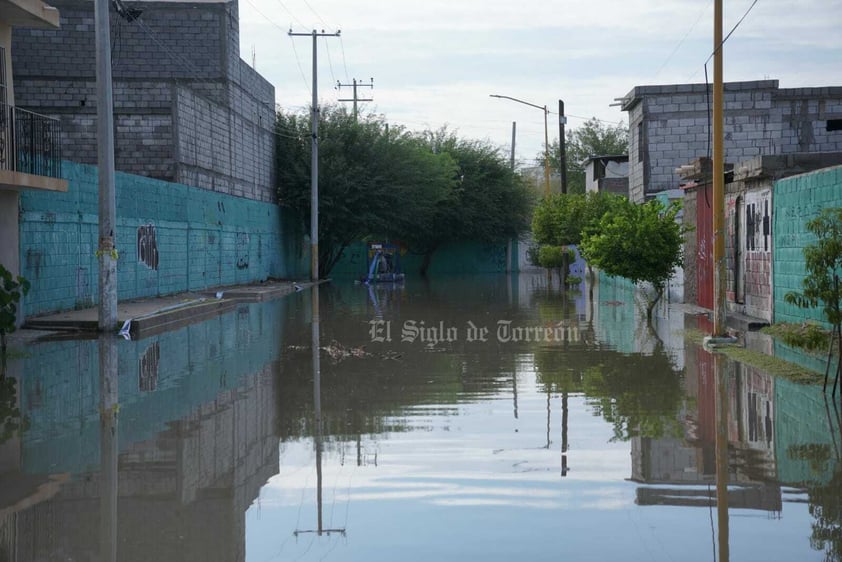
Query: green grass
768, 363
808, 336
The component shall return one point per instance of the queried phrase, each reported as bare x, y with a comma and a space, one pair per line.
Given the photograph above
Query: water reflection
172, 480
108, 449
252, 437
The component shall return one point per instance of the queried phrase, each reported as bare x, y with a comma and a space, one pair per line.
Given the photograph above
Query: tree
563, 219
485, 200
592, 138
823, 261
368, 180
638, 242
11, 291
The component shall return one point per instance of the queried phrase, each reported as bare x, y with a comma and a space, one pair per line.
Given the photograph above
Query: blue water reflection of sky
478, 484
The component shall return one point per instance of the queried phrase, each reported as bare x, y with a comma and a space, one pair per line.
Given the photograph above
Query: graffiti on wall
758, 222
242, 250
148, 365
147, 246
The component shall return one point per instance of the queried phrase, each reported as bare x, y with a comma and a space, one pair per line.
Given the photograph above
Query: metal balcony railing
29, 142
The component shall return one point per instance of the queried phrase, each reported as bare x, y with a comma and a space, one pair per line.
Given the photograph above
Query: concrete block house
194, 151
749, 242
770, 133
187, 108
669, 126
30, 143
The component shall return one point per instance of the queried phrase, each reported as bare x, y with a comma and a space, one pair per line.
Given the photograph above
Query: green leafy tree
485, 200
642, 243
424, 190
823, 261
11, 290
369, 178
563, 219
592, 138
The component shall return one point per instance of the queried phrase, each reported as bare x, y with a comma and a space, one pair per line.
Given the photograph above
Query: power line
733, 29
295, 52
287, 10
344, 62
686, 35
300, 68
306, 3
329, 61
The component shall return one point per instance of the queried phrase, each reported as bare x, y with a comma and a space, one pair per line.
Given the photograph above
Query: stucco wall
170, 238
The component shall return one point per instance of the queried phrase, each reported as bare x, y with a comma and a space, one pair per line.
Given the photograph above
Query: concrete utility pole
514, 134
314, 155
356, 85
562, 155
719, 273
106, 251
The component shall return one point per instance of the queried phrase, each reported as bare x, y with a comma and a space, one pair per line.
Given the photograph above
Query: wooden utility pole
355, 84
719, 272
106, 250
314, 154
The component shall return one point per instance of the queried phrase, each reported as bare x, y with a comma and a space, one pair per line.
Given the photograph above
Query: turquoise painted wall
59, 394
804, 448
203, 239
458, 258
795, 201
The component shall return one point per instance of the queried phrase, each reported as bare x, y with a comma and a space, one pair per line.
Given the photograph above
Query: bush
11, 291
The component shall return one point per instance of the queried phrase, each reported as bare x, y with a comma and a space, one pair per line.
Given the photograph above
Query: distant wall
797, 200
459, 257
170, 238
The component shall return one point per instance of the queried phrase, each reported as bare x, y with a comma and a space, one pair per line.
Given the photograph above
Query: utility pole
719, 276
514, 134
106, 251
562, 156
314, 154
355, 84
546, 155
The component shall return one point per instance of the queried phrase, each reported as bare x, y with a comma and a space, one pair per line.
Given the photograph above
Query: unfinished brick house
187, 109
669, 126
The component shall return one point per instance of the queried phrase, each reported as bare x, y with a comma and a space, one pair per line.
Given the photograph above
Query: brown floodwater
467, 418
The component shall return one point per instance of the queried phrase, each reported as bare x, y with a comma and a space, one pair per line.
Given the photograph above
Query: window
834, 125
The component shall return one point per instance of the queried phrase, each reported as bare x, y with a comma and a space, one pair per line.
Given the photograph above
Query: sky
435, 63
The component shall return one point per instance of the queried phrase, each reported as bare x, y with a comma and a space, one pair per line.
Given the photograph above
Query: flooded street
485, 418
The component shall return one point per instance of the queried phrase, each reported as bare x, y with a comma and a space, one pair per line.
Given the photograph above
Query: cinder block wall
668, 127
796, 200
186, 107
170, 238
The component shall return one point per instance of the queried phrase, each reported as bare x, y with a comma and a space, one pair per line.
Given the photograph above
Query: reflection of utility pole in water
548, 417
721, 375
108, 401
514, 390
317, 401
564, 433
